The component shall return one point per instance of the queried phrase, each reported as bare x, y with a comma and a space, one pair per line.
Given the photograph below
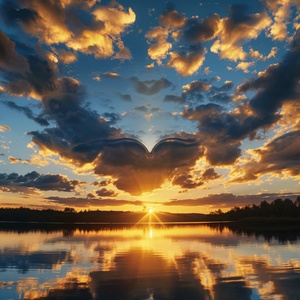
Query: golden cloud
186, 64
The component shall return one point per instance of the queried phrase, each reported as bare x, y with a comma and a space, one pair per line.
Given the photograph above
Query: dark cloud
28, 112
187, 181
171, 18
112, 117
229, 200
141, 108
173, 98
87, 202
217, 127
236, 29
102, 183
278, 156
197, 31
79, 26
106, 193
34, 180
228, 129
210, 174
10, 60
195, 90
276, 85
126, 97
12, 14
31, 73
137, 170
191, 180
150, 87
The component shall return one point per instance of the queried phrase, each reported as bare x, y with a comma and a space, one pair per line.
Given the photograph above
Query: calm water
171, 262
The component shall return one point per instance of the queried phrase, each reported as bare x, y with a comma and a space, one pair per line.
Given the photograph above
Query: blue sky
129, 104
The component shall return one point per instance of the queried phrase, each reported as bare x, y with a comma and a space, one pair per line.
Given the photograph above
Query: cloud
37, 78
171, 18
4, 128
188, 62
273, 87
228, 200
258, 56
173, 98
28, 113
111, 75
35, 181
106, 193
87, 202
237, 29
160, 49
112, 117
273, 90
141, 108
137, 171
280, 157
10, 60
197, 31
244, 66
150, 87
96, 31
126, 97
281, 12
195, 89
191, 33
67, 57
192, 180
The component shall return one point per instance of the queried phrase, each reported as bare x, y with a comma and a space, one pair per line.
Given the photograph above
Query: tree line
278, 208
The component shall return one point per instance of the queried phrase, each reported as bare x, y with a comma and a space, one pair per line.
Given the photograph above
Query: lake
115, 262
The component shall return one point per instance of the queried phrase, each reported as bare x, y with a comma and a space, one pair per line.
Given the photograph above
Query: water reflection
170, 262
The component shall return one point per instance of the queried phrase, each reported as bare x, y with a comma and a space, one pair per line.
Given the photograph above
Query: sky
135, 104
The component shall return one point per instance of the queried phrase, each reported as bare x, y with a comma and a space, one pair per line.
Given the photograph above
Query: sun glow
150, 210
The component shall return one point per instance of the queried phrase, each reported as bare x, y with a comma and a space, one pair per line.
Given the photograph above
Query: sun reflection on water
148, 261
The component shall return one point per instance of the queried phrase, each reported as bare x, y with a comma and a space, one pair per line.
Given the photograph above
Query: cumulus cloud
106, 193
199, 31
138, 171
244, 66
195, 89
279, 157
158, 50
187, 63
171, 18
35, 181
281, 12
58, 23
236, 29
10, 60
273, 87
258, 56
192, 180
175, 29
228, 129
67, 57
